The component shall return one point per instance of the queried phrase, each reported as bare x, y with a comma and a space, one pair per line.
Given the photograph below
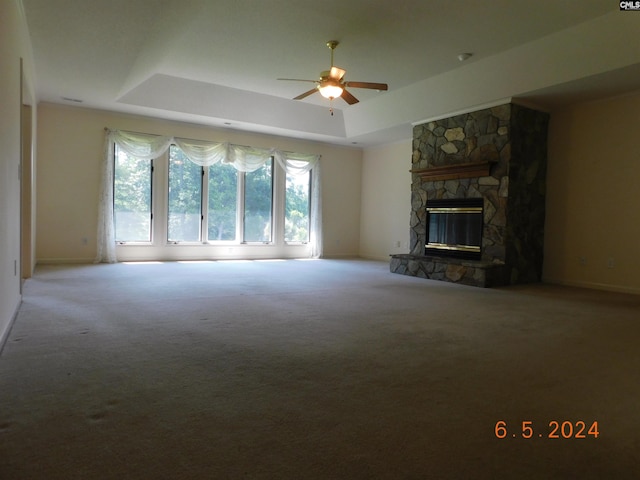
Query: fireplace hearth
477, 198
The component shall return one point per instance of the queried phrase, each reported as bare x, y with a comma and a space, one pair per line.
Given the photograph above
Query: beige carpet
330, 369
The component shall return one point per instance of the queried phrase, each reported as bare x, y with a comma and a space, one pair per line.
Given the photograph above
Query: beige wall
70, 143
14, 47
593, 195
386, 200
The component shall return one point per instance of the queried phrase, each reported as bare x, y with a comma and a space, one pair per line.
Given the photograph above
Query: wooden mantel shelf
453, 172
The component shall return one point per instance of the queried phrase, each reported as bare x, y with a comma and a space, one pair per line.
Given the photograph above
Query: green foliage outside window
223, 202
133, 201
296, 216
185, 197
132, 198
258, 194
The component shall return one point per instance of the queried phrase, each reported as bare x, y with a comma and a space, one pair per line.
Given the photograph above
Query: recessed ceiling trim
473, 108
234, 105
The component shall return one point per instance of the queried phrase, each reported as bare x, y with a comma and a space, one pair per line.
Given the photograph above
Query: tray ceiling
216, 63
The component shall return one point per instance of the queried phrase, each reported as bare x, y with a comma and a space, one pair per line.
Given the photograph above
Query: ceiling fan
332, 84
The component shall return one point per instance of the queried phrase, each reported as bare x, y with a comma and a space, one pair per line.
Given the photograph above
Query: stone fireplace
478, 198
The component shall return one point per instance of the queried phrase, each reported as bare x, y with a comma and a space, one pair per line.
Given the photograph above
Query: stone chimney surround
498, 154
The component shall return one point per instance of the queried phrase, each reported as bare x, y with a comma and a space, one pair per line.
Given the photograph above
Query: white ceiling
217, 62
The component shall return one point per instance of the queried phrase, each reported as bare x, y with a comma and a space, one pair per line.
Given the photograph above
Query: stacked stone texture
513, 139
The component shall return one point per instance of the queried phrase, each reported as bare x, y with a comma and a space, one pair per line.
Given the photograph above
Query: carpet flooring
326, 369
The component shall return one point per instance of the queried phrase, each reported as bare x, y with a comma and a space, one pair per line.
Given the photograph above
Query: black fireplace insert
454, 228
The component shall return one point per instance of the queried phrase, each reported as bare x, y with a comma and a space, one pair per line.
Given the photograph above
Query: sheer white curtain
145, 147
300, 164
248, 159
203, 153
315, 229
106, 234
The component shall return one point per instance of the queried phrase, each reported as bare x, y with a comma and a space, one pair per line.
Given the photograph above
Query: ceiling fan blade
337, 73
347, 97
373, 86
306, 94
297, 80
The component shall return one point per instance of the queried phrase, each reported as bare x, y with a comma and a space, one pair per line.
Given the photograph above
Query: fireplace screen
454, 227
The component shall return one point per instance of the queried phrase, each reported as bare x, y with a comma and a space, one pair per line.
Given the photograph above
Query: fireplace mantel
454, 172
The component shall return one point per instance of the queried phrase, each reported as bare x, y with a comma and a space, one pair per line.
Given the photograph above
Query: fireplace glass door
454, 228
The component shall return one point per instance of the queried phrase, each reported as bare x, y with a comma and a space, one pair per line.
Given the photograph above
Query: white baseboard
594, 286
4, 335
63, 261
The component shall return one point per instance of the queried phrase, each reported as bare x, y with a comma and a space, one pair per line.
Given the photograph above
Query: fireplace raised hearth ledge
453, 172
466, 272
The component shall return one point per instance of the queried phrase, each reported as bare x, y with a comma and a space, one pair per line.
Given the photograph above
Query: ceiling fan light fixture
330, 90
331, 83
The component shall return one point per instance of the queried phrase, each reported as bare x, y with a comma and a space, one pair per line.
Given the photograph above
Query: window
296, 214
132, 198
223, 203
258, 195
198, 195
184, 217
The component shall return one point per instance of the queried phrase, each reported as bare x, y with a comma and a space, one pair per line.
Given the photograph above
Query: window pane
223, 202
296, 215
185, 198
132, 198
257, 204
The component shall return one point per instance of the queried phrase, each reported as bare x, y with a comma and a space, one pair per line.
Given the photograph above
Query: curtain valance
205, 153
140, 145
